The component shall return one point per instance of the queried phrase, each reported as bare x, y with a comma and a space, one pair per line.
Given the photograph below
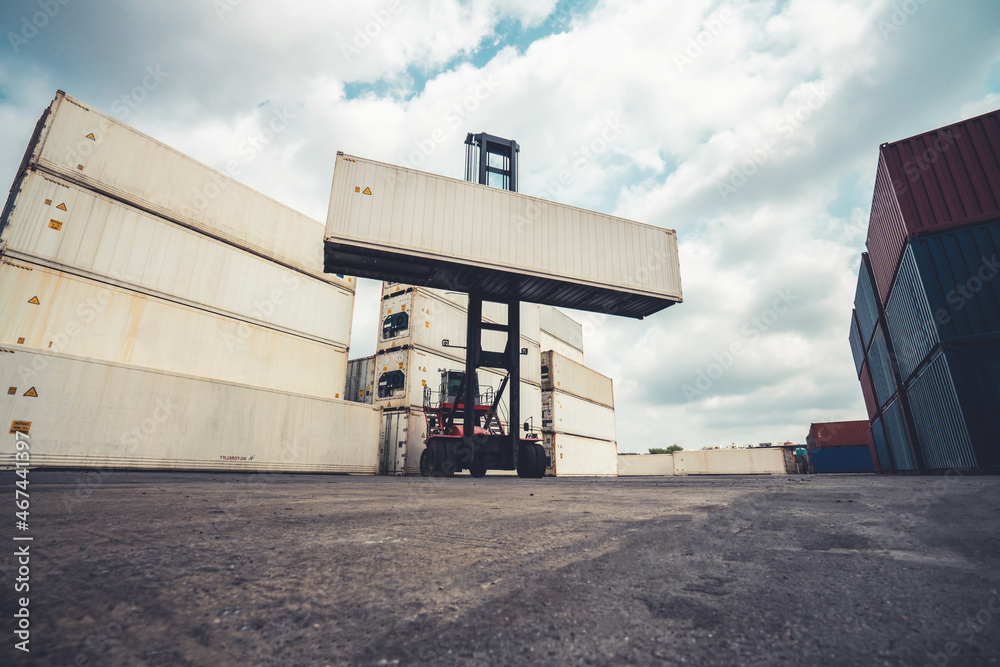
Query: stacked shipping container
840, 447
934, 241
148, 298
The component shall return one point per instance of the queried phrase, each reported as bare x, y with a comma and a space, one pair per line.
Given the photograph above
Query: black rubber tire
539, 460
426, 465
442, 466
527, 461
477, 469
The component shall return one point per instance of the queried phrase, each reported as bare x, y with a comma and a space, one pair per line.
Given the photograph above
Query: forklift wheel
442, 466
477, 469
426, 467
540, 460
527, 461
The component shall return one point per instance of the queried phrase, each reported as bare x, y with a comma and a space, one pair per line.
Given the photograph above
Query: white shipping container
558, 324
103, 154
573, 456
762, 461
49, 310
397, 425
421, 320
637, 465
97, 414
562, 374
360, 386
422, 369
549, 342
565, 413
459, 235
69, 229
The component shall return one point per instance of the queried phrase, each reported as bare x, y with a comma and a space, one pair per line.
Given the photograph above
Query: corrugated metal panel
873, 453
560, 325
99, 414
857, 347
881, 447
908, 315
975, 371
948, 177
428, 321
938, 419
730, 462
644, 465
865, 305
882, 377
130, 167
100, 238
886, 231
562, 374
837, 434
868, 391
573, 456
563, 413
46, 309
360, 380
960, 271
842, 459
896, 437
555, 345
393, 223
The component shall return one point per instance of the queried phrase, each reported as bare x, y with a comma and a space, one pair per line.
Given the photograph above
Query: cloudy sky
752, 128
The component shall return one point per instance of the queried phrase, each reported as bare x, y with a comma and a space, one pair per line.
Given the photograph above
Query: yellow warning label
403, 307
20, 340
20, 427
31, 392
33, 300
61, 207
401, 365
366, 191
336, 395
423, 383
48, 201
91, 137
357, 189
362, 394
12, 391
55, 224
427, 325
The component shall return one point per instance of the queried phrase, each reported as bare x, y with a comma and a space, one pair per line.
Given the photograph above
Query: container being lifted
397, 224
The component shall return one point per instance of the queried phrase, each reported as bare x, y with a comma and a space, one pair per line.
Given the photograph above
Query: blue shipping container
881, 370
912, 329
842, 459
938, 418
896, 437
857, 347
881, 447
975, 370
865, 302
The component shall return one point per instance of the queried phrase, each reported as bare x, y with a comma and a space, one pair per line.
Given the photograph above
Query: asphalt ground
131, 568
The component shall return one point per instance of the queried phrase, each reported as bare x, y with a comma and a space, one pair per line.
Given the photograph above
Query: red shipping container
946, 178
868, 390
874, 452
838, 434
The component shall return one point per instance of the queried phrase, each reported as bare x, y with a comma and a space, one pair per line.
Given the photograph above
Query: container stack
560, 333
578, 418
925, 333
361, 380
158, 314
840, 447
410, 355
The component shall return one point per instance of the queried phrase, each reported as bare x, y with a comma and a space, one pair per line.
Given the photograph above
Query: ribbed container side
360, 380
645, 465
960, 271
908, 315
99, 414
45, 309
881, 370
837, 434
547, 342
896, 437
881, 446
62, 226
842, 459
560, 325
730, 462
447, 232
128, 166
886, 231
564, 413
857, 347
419, 318
865, 305
975, 371
873, 452
562, 374
947, 177
938, 418
575, 456
868, 391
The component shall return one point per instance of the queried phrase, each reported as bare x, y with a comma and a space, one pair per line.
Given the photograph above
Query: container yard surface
215, 569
